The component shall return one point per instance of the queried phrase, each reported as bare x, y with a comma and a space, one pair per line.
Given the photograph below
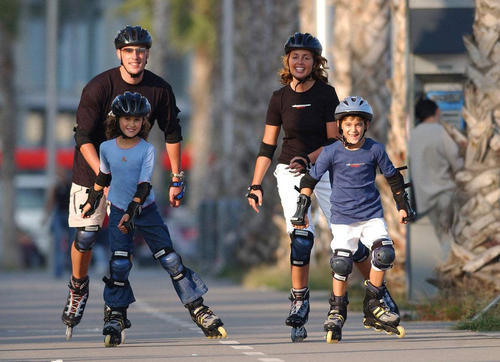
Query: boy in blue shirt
129, 159
356, 214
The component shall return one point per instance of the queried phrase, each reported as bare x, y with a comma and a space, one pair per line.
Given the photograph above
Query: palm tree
261, 29
475, 250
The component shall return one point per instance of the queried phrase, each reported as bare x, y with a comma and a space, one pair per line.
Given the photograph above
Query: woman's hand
251, 196
298, 165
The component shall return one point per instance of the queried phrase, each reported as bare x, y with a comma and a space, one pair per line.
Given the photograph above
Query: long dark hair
112, 128
318, 70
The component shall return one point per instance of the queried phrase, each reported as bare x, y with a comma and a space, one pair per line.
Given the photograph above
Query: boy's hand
124, 219
402, 216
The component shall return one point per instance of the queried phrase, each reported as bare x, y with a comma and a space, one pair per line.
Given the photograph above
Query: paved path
30, 328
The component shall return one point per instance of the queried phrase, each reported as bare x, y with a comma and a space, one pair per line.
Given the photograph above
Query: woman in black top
305, 108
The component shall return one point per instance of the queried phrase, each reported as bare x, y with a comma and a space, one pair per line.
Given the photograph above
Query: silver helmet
354, 106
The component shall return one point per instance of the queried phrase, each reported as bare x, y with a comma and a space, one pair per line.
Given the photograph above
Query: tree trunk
260, 31
477, 228
8, 114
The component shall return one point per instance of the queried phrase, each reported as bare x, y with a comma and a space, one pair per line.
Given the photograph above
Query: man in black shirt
132, 49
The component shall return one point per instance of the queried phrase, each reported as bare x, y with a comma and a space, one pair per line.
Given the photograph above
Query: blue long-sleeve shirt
354, 196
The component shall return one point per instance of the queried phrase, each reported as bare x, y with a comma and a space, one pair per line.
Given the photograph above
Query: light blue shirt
128, 167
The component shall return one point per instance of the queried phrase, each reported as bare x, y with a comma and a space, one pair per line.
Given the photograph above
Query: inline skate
336, 318
299, 314
210, 324
115, 323
391, 303
75, 304
377, 313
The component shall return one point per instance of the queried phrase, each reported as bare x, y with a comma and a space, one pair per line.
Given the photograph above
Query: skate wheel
107, 341
378, 329
401, 332
298, 334
69, 332
388, 332
329, 338
222, 332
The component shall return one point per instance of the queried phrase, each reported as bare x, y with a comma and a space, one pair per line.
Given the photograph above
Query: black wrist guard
402, 203
94, 199
143, 190
103, 179
253, 196
134, 209
303, 203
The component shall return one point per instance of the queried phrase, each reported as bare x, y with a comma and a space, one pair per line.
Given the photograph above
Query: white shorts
78, 196
288, 194
369, 231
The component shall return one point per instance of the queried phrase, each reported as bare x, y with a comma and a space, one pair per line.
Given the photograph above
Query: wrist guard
303, 203
103, 179
253, 196
134, 209
402, 203
180, 195
93, 200
143, 190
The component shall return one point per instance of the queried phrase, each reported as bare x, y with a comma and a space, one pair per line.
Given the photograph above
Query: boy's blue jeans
150, 224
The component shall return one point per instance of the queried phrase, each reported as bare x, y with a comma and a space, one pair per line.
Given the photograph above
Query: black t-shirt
95, 104
303, 117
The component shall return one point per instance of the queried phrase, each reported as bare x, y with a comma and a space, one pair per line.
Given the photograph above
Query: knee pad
119, 269
171, 262
86, 237
361, 254
302, 243
383, 254
341, 264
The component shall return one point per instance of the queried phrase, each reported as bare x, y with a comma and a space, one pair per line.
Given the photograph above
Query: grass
453, 305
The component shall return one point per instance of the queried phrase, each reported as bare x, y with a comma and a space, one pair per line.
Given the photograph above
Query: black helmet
303, 41
354, 106
130, 104
133, 35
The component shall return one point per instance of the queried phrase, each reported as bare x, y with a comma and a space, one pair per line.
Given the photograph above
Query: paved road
30, 328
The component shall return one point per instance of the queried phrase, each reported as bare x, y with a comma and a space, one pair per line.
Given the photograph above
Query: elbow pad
308, 182
267, 150
103, 179
143, 190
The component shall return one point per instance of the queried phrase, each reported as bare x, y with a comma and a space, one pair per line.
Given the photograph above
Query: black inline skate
75, 304
210, 324
377, 313
391, 303
336, 318
115, 323
299, 314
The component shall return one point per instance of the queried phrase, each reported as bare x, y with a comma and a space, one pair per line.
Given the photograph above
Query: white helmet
354, 106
